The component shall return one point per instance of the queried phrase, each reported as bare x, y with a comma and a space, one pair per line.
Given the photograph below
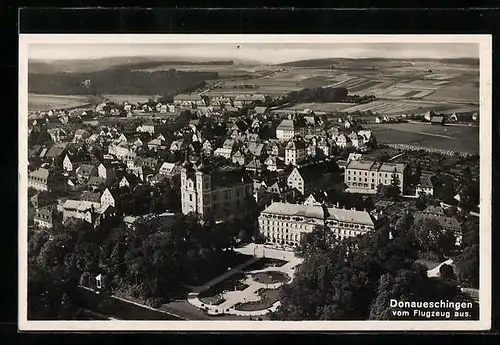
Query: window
373, 180
366, 179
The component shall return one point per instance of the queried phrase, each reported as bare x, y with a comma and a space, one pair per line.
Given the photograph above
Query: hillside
134, 62
120, 81
379, 62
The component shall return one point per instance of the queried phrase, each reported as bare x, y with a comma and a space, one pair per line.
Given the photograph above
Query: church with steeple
214, 193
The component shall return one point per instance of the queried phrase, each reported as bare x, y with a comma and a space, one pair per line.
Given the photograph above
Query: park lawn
268, 298
270, 277
232, 283
265, 263
212, 300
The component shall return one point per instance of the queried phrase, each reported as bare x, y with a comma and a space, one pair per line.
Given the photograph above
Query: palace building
285, 224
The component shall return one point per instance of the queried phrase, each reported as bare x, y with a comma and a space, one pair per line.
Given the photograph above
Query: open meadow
456, 138
37, 102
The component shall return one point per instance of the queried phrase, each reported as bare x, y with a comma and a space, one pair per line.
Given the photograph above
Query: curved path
250, 293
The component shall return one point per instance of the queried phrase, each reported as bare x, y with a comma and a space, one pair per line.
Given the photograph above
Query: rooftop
316, 212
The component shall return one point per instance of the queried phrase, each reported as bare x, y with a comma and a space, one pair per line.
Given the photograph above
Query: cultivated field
321, 107
132, 99
38, 102
457, 138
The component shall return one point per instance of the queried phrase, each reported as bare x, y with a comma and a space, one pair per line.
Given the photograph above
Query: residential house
45, 217
289, 128
43, 179
223, 152
151, 128
245, 99
106, 171
261, 110
366, 175
41, 199
156, 144
189, 100
356, 140
255, 165
426, 185
274, 163
68, 164
179, 145
57, 134
438, 120
207, 147
312, 177
256, 149
107, 199
434, 210
446, 223
239, 158
96, 182
343, 141
85, 171
81, 135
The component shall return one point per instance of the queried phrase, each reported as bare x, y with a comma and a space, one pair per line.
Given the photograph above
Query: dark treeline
151, 64
118, 81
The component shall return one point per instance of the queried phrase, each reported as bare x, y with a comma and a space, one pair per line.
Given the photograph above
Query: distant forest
380, 62
118, 81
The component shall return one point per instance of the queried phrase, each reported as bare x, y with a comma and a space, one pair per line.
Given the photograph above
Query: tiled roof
445, 222
286, 124
360, 165
316, 212
228, 177
41, 173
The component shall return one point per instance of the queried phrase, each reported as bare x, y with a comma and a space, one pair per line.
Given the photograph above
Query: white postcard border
484, 323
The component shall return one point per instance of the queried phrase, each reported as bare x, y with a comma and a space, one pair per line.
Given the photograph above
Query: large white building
289, 128
286, 224
365, 175
218, 195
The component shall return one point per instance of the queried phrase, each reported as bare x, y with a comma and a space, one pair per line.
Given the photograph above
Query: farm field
398, 107
128, 98
457, 138
37, 102
321, 107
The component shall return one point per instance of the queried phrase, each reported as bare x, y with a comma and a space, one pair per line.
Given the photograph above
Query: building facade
218, 195
46, 180
286, 224
365, 176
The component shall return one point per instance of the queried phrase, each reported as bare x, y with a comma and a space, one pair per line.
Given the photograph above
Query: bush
431, 256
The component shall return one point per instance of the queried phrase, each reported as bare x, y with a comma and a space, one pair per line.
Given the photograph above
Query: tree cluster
354, 278
150, 263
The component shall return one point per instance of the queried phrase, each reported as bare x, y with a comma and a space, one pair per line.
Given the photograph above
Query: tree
446, 272
468, 266
470, 232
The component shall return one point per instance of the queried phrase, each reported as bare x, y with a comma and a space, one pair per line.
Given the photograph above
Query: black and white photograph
254, 182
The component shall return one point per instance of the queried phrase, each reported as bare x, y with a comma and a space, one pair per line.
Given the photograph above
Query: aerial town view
253, 181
